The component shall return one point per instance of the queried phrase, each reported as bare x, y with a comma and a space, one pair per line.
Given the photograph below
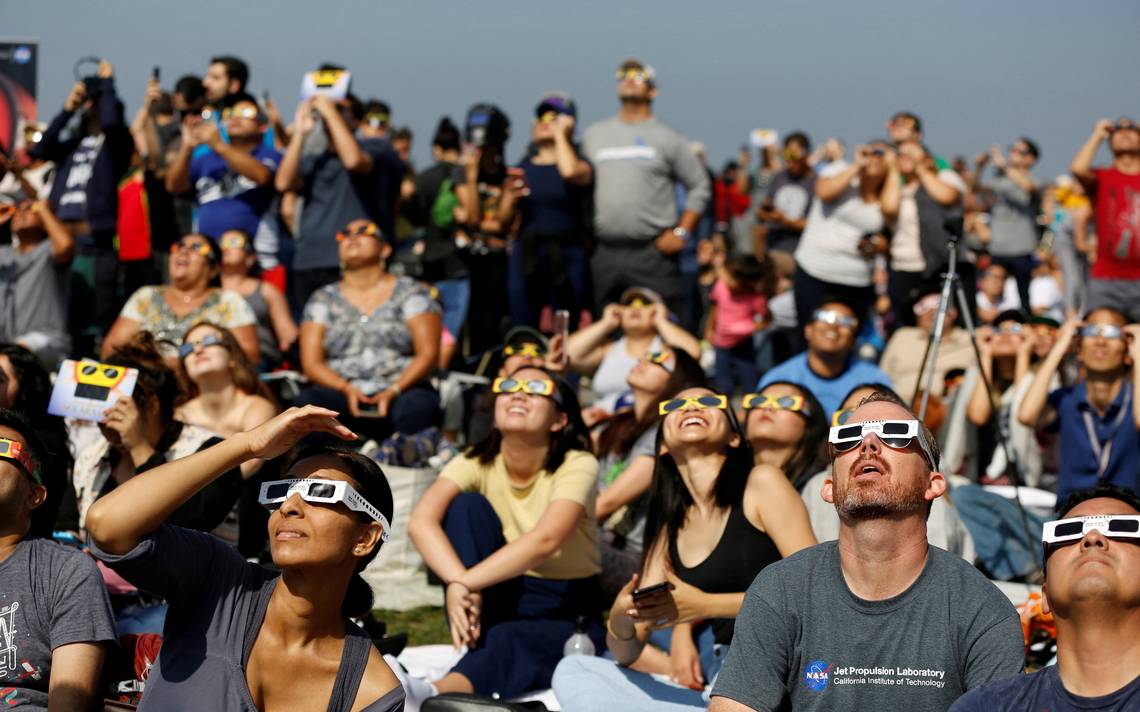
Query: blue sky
977, 72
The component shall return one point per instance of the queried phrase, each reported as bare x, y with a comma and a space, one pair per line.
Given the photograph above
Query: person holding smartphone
714, 521
543, 205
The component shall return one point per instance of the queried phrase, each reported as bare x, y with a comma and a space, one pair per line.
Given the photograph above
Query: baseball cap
1046, 320
557, 101
520, 335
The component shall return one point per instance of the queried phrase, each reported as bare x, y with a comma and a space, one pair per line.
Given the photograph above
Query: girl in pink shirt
739, 308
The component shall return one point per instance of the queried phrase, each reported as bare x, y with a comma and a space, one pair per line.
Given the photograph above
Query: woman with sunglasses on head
142, 432
239, 636
641, 321
627, 448
546, 194
191, 296
276, 330
787, 429
714, 521
370, 341
510, 529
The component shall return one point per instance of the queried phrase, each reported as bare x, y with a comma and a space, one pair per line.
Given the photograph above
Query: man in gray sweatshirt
637, 163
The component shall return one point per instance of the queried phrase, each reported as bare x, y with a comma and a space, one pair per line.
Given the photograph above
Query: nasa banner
18, 61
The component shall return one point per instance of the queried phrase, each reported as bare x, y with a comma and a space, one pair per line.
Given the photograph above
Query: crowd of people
739, 431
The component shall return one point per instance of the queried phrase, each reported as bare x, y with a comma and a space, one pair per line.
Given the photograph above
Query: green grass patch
424, 626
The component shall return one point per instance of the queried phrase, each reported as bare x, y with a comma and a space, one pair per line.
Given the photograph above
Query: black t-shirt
441, 260
554, 207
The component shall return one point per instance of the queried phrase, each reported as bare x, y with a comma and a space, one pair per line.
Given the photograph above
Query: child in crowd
739, 308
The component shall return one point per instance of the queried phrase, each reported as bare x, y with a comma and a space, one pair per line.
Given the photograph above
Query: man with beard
880, 619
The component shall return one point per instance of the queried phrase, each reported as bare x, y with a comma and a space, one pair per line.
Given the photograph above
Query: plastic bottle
579, 643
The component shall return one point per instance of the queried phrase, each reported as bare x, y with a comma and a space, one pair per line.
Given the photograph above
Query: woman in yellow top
510, 529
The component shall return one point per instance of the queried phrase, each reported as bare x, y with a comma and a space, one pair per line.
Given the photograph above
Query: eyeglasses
895, 434
367, 230
636, 75
190, 347
1012, 328
16, 452
835, 318
232, 241
693, 403
317, 491
534, 387
660, 358
1067, 531
197, 248
247, 112
1107, 331
525, 349
769, 401
841, 416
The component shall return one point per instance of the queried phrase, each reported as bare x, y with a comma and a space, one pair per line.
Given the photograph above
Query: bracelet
610, 630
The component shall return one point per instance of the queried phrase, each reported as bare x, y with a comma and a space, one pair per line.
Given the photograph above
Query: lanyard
1103, 453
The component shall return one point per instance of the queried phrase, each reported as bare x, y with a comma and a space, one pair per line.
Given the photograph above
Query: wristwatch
680, 232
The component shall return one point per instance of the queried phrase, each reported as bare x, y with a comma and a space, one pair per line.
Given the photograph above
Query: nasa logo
816, 675
22, 54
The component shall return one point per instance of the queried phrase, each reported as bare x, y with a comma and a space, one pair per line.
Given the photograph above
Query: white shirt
829, 247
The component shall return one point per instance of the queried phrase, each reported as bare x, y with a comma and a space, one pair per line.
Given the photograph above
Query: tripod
951, 282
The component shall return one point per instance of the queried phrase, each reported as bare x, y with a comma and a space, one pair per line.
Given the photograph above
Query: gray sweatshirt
636, 169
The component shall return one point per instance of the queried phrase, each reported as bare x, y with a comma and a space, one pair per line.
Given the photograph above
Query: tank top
743, 550
609, 380
266, 338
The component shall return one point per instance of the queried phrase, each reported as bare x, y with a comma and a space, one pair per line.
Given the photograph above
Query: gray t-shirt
33, 292
636, 169
631, 524
50, 595
792, 197
1013, 219
217, 604
803, 641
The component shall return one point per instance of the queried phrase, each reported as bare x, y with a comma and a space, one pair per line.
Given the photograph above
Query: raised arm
571, 166
675, 335
178, 172
586, 347
354, 158
288, 176
830, 188
1082, 165
240, 162
1034, 411
118, 521
1019, 177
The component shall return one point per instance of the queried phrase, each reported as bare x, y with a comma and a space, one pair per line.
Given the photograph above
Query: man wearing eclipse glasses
1096, 417
54, 614
1092, 588
879, 620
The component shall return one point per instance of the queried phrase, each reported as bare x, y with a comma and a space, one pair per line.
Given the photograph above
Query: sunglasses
769, 401
231, 241
1068, 531
525, 349
1107, 331
895, 434
660, 358
198, 248
533, 387
316, 491
16, 452
835, 318
693, 403
637, 75
369, 230
244, 113
190, 347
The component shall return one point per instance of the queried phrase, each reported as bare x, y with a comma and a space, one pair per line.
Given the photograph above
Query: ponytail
358, 598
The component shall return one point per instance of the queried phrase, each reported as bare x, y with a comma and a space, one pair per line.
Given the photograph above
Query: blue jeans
454, 296
736, 367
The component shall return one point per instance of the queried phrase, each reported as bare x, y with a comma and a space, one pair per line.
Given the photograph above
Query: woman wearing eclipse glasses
239, 636
786, 427
510, 529
715, 520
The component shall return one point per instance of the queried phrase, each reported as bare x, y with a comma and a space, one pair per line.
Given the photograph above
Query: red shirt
1117, 225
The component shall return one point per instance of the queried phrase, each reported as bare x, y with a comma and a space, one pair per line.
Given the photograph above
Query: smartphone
640, 593
155, 73
562, 326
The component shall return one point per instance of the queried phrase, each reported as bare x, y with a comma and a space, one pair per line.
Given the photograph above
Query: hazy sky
977, 72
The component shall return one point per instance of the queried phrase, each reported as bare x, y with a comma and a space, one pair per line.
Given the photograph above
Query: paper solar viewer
84, 389
331, 82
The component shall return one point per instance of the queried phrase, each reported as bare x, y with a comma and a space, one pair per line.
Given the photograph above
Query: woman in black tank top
715, 520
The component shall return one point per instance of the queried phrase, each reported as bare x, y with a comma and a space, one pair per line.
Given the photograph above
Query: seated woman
714, 521
140, 433
169, 311
276, 330
787, 429
239, 636
626, 452
370, 342
642, 321
510, 528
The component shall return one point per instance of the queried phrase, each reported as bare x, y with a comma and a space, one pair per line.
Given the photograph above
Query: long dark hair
373, 485
56, 462
670, 499
625, 429
575, 436
811, 454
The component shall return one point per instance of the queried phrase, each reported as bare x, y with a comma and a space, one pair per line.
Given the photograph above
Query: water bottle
579, 643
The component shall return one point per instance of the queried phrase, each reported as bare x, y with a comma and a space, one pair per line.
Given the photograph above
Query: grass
424, 626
